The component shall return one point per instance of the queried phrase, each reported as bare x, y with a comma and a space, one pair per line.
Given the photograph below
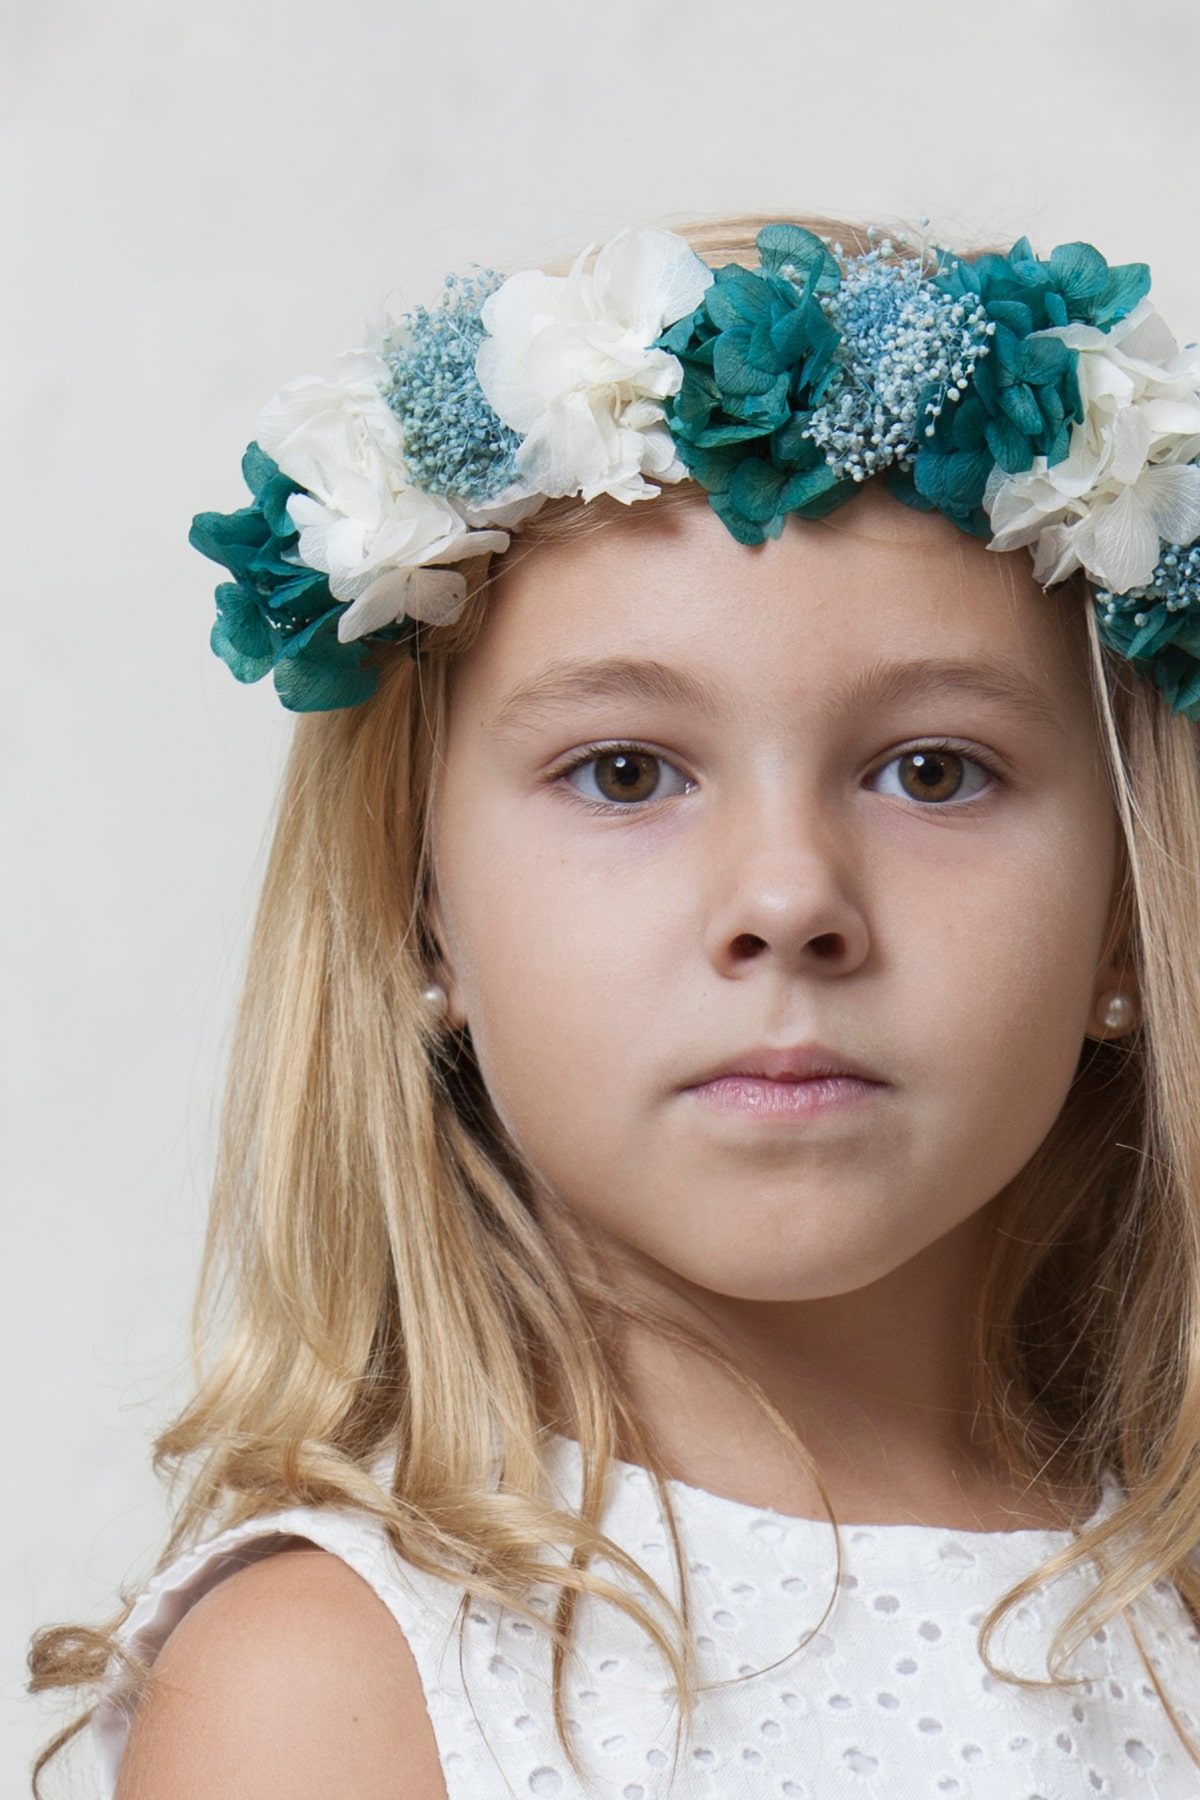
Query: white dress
889, 1698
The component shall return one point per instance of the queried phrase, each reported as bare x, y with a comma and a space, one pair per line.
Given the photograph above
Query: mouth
786, 1097
787, 1083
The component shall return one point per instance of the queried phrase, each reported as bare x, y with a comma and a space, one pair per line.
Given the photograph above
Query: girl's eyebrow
558, 684
567, 681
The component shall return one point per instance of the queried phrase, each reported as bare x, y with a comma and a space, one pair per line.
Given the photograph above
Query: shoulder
289, 1678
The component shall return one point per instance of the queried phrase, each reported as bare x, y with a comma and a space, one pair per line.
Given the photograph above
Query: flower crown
1033, 403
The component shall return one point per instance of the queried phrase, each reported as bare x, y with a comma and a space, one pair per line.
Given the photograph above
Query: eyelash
609, 808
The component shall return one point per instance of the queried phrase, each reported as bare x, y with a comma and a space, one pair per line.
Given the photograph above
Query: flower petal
382, 603
1123, 546
436, 595
649, 278
1171, 492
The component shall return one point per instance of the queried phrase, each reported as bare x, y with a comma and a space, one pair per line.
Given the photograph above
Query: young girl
710, 1178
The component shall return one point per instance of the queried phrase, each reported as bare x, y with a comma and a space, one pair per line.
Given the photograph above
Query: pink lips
786, 1081
761, 1096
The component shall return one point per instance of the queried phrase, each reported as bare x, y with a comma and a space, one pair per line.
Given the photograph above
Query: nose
785, 885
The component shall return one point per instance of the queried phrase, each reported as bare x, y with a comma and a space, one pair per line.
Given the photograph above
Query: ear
1116, 971
440, 963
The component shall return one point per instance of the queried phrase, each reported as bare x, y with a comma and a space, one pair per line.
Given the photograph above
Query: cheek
1002, 995
562, 961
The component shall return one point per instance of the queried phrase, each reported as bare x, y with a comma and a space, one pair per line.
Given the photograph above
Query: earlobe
436, 999
440, 995
1115, 1012
1116, 1006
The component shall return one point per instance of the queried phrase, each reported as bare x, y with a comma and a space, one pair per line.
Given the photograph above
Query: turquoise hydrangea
277, 614
1024, 396
1157, 626
757, 355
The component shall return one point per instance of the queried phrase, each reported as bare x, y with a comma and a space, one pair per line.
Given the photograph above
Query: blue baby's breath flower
454, 444
907, 351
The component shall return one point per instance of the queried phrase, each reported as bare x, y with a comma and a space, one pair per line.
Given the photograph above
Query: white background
202, 203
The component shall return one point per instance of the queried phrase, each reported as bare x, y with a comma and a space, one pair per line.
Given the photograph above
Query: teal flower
278, 614
757, 354
1157, 626
1024, 396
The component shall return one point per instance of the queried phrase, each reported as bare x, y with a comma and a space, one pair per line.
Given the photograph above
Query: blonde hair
387, 1285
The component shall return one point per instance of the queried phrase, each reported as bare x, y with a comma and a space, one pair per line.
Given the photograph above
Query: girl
709, 1183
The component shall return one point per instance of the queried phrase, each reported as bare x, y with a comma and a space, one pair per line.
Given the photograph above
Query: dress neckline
741, 1512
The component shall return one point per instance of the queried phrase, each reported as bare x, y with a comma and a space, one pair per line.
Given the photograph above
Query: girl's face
772, 865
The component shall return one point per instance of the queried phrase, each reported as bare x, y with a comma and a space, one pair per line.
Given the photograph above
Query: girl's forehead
881, 581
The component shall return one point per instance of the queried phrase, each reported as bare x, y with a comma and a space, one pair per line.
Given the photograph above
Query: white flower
380, 563
361, 521
1129, 479
339, 439
567, 365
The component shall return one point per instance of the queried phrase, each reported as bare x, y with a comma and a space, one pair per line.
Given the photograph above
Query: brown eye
623, 776
935, 772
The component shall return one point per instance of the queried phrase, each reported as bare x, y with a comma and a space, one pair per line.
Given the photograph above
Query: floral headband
1033, 403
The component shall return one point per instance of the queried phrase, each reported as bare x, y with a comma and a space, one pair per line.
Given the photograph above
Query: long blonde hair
374, 1279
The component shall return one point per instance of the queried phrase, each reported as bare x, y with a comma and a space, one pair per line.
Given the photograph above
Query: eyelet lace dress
888, 1698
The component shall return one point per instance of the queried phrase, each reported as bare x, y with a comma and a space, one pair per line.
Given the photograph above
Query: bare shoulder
289, 1680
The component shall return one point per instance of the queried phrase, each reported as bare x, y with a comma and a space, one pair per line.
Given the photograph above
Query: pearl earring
436, 998
1117, 1012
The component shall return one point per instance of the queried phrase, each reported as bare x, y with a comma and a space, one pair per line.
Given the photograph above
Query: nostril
828, 944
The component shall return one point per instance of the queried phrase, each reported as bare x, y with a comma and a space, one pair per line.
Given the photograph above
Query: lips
795, 1062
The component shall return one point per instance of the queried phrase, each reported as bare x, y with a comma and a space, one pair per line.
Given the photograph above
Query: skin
779, 875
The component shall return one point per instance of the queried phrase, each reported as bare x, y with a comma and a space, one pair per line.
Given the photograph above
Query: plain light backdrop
203, 203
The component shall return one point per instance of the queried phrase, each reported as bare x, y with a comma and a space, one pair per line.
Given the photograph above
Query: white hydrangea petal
436, 596
361, 373
1017, 506
1124, 546
1076, 335
659, 455
649, 278
1105, 384
1171, 494
1083, 464
1172, 415
641, 413
289, 429
510, 314
1130, 445
510, 507
303, 510
1054, 554
565, 452
659, 374
510, 309
337, 549
1145, 335
462, 546
326, 426
621, 475
381, 603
